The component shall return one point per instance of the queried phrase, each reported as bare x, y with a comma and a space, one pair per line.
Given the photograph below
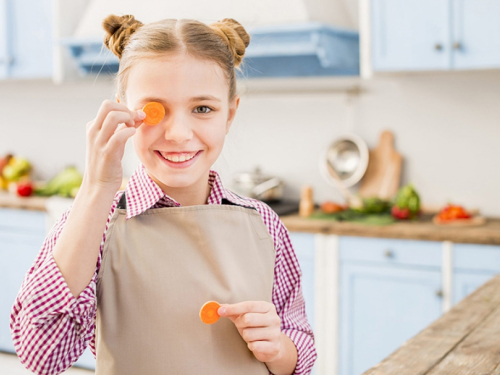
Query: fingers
119, 139
265, 351
108, 106
110, 125
260, 334
233, 310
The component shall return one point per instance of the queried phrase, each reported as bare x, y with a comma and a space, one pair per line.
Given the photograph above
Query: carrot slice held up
155, 112
208, 312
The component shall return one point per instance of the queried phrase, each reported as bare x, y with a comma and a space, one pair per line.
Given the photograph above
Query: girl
127, 272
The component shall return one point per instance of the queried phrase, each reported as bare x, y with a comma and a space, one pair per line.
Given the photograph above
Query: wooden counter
423, 229
8, 200
463, 341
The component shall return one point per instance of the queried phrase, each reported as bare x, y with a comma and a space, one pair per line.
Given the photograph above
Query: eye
203, 109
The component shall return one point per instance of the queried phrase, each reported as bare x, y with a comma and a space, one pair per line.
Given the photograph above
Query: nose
177, 128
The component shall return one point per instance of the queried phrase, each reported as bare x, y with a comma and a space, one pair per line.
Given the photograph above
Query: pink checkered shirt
51, 328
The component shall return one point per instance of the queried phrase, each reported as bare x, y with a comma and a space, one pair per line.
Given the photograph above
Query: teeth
179, 159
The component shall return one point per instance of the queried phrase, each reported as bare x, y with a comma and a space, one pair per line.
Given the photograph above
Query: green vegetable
356, 217
408, 199
15, 168
63, 184
374, 206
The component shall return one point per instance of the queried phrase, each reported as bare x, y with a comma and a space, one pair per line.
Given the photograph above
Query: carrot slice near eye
155, 112
208, 312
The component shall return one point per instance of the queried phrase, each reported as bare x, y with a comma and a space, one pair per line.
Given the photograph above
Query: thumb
225, 311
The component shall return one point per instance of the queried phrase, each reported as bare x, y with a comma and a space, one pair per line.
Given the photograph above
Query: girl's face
197, 118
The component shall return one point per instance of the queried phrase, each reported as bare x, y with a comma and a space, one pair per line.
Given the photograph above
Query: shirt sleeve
290, 304
51, 328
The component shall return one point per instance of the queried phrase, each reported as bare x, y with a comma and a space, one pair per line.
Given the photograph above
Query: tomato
453, 212
329, 207
401, 213
24, 189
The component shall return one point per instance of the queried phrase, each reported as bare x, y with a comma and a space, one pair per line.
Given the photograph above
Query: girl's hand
259, 325
107, 135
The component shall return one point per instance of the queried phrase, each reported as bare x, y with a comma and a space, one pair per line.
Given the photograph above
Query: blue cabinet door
303, 244
21, 236
410, 35
30, 34
464, 283
4, 46
473, 265
476, 27
380, 308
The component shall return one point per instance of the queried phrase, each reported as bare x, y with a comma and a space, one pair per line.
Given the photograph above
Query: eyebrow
193, 99
205, 97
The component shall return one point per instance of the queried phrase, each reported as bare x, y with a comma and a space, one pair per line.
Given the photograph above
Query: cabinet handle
438, 46
457, 45
389, 254
439, 293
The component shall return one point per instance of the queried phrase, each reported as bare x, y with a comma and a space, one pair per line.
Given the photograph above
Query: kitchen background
366, 292
446, 124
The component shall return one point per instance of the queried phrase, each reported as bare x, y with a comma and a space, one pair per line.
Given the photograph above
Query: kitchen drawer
390, 251
22, 221
476, 257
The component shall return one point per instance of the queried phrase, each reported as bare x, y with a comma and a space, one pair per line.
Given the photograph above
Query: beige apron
159, 268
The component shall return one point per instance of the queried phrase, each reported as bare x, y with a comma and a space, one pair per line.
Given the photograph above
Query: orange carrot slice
155, 112
208, 312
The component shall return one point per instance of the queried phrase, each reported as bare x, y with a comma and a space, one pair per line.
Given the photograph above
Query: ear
233, 107
117, 98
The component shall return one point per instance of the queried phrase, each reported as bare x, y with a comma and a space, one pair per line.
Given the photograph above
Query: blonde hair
223, 42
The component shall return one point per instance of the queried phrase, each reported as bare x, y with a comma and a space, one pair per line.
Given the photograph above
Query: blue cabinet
435, 35
410, 35
389, 291
303, 244
473, 265
21, 235
4, 52
25, 39
476, 26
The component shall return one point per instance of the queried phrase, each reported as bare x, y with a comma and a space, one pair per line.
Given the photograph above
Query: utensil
353, 200
258, 185
348, 157
383, 175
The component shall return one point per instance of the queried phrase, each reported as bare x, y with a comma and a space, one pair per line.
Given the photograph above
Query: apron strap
123, 202
229, 203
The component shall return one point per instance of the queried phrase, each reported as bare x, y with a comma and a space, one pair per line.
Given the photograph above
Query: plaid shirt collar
143, 193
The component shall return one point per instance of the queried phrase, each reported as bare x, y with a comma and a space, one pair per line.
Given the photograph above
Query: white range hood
250, 13
288, 37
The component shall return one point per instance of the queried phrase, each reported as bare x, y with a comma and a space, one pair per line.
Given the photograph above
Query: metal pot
259, 186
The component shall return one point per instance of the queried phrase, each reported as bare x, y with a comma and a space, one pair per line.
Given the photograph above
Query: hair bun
235, 35
118, 31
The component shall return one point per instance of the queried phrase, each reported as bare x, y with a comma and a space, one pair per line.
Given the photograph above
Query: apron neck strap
123, 202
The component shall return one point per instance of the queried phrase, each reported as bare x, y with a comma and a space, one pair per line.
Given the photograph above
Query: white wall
447, 127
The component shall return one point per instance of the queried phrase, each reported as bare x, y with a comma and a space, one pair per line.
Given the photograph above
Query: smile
178, 159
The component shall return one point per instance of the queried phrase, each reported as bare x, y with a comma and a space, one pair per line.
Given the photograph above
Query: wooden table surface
9, 200
423, 229
465, 340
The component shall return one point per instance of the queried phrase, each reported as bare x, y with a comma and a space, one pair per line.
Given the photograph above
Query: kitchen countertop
420, 230
8, 200
462, 341
423, 229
